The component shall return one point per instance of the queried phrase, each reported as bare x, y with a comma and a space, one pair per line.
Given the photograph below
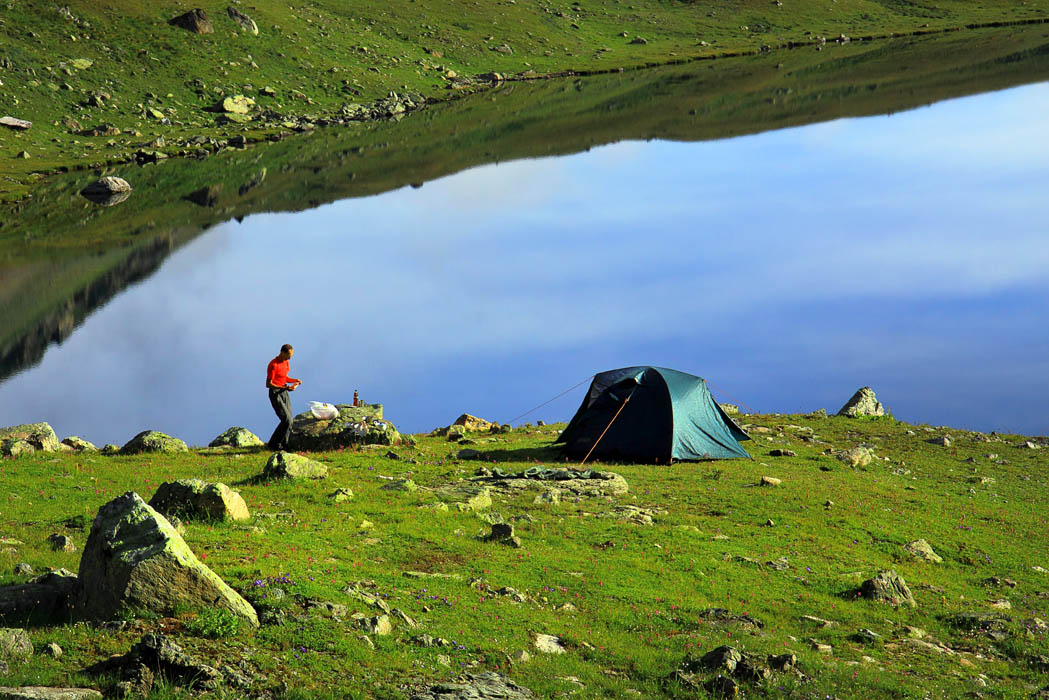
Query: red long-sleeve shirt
277, 372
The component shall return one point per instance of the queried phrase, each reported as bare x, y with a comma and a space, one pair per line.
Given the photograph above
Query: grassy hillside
641, 571
121, 68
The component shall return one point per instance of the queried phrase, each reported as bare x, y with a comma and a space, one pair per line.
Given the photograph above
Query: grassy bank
122, 69
640, 591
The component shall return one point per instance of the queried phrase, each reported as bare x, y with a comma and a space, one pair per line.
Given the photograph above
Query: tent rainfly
663, 415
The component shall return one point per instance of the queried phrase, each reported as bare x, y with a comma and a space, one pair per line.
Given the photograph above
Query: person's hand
293, 387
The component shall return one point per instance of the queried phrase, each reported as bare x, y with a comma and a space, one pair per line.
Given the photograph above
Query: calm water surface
789, 268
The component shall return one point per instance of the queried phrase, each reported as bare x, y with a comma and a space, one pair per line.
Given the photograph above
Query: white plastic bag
323, 411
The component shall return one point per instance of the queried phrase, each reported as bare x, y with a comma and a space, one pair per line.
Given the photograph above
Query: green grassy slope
640, 592
81, 65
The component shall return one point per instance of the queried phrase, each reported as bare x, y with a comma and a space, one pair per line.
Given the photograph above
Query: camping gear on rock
323, 411
651, 414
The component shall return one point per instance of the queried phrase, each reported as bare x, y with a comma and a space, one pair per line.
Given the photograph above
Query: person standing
279, 384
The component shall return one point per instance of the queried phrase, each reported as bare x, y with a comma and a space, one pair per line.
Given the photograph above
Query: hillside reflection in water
789, 268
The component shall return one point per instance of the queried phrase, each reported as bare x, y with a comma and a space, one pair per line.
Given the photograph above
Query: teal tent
651, 414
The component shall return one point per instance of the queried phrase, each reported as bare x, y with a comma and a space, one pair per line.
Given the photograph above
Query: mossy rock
236, 437
39, 435
287, 465
194, 499
153, 441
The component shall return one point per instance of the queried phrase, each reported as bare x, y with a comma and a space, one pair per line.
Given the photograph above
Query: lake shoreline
275, 126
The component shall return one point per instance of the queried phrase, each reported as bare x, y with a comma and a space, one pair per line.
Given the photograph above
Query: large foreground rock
194, 499
355, 425
287, 465
236, 437
40, 435
135, 560
862, 403
153, 441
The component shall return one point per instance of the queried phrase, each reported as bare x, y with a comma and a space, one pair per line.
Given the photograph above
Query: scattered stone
195, 21
993, 625
730, 408
887, 587
194, 499
236, 437
639, 40
78, 444
723, 616
770, 481
862, 403
246, 23
52, 649
503, 49
403, 485
547, 643
943, 441
61, 543
503, 533
23, 569
155, 655
549, 496
378, 625
782, 453
921, 549
483, 686
153, 441
288, 465
24, 155
341, 495
109, 449
236, 104
15, 645
16, 448
40, 436
475, 424
856, 457
16, 124
819, 621
820, 648
34, 692
466, 496
135, 560
866, 636
1001, 604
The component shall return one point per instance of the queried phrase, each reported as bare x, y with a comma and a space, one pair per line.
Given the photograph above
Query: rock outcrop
246, 23
153, 441
135, 560
38, 436
194, 499
862, 403
78, 444
887, 587
355, 425
236, 437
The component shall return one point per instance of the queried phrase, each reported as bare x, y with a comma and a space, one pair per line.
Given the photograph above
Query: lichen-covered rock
473, 423
920, 549
15, 448
78, 444
236, 104
862, 403
887, 587
15, 644
40, 435
246, 23
153, 441
856, 457
236, 437
194, 499
355, 425
135, 560
288, 465
109, 449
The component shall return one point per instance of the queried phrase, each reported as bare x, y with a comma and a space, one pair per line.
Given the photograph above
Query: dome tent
663, 415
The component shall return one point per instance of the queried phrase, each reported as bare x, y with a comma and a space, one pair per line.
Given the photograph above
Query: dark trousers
281, 403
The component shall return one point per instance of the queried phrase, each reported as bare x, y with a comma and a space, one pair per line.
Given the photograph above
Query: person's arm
292, 384
269, 378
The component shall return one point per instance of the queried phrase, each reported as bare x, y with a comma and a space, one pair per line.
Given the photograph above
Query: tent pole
592, 447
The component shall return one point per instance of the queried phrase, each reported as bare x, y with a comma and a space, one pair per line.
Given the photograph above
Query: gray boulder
40, 435
288, 465
487, 685
193, 499
920, 549
236, 437
78, 444
153, 441
135, 560
246, 23
887, 587
862, 403
15, 644
105, 187
195, 21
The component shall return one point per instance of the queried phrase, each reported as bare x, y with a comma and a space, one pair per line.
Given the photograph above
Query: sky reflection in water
788, 268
